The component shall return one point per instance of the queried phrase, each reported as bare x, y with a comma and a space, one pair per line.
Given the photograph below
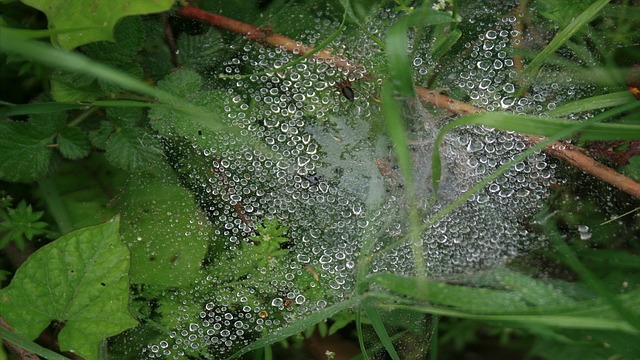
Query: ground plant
345, 179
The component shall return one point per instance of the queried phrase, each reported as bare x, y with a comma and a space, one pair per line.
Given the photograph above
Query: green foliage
80, 281
128, 130
96, 27
20, 224
163, 257
24, 140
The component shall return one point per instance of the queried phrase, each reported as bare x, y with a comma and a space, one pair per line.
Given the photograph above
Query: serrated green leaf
24, 152
181, 83
128, 38
200, 51
124, 117
165, 230
98, 18
133, 149
73, 143
68, 87
80, 280
100, 136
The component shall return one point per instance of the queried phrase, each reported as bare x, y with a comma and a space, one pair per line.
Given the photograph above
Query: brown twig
573, 155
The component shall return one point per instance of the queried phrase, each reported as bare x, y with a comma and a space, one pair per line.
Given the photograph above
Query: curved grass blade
558, 321
298, 326
397, 43
563, 36
553, 129
593, 103
50, 107
381, 331
37, 108
392, 111
363, 348
29, 345
444, 43
574, 263
74, 62
494, 175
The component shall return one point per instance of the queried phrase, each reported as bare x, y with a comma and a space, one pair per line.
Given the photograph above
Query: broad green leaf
74, 87
24, 152
80, 280
97, 18
73, 143
133, 149
100, 136
165, 230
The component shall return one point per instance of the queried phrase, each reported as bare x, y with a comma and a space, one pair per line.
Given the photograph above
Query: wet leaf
80, 280
97, 21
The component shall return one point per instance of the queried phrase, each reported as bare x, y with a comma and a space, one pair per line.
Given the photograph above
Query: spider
346, 90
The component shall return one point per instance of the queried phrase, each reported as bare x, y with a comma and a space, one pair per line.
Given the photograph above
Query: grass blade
381, 331
593, 103
298, 326
564, 35
554, 129
29, 345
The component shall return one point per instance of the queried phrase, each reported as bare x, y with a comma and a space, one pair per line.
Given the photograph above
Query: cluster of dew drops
288, 109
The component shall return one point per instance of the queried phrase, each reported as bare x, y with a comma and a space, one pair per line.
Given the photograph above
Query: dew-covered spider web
310, 175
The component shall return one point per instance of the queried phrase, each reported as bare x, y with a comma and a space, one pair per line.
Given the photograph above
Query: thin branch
572, 154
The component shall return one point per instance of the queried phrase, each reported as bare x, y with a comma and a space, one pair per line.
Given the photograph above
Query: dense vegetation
407, 179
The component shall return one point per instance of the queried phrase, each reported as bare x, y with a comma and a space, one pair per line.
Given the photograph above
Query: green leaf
133, 149
127, 41
165, 230
80, 280
200, 51
100, 136
74, 87
24, 152
73, 143
21, 223
98, 18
